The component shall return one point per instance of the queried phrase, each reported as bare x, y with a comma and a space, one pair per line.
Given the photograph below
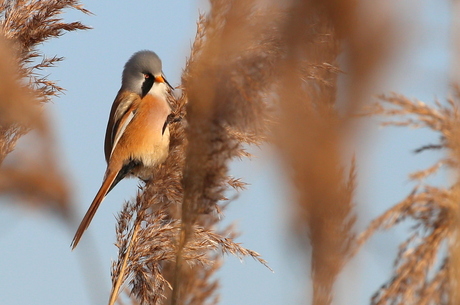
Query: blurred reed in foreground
315, 124
32, 174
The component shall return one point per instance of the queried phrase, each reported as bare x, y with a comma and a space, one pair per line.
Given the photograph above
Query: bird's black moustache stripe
147, 85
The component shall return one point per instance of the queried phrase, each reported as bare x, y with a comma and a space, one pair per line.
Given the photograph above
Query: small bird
137, 136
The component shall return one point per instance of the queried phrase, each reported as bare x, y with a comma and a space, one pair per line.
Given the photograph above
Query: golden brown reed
308, 140
312, 132
315, 123
31, 173
29, 23
424, 273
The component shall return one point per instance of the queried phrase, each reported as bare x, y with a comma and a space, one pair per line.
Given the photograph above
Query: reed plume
31, 174
423, 272
315, 125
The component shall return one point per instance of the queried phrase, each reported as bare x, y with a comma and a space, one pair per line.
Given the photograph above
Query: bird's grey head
140, 72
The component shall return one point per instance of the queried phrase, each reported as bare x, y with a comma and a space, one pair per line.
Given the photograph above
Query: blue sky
37, 266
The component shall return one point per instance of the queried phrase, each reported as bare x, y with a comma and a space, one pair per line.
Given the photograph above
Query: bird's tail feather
105, 188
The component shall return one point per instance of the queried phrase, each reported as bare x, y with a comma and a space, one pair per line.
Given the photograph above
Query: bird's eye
146, 75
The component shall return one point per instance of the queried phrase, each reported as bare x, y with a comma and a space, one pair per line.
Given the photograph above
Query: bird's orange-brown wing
121, 105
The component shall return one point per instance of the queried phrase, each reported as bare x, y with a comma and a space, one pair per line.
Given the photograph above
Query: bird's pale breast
144, 135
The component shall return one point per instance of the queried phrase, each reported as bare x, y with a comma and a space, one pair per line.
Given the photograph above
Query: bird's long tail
105, 188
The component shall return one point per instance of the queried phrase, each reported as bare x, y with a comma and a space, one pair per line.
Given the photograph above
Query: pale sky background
36, 264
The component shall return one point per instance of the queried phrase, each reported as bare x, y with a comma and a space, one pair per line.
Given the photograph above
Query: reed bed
257, 74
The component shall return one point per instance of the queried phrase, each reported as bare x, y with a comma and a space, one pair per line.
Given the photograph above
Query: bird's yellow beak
159, 79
